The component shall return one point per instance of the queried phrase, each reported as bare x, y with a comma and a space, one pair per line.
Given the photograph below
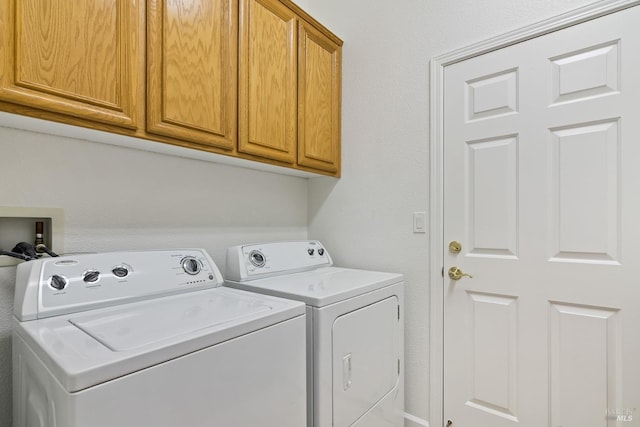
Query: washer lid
85, 349
322, 286
124, 329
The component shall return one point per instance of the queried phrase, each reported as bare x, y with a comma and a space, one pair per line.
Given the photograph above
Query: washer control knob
91, 276
191, 265
120, 271
310, 251
257, 258
321, 251
58, 282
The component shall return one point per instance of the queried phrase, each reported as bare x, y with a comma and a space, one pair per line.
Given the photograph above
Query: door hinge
398, 313
442, 272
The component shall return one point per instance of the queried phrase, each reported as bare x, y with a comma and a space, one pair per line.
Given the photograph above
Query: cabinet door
77, 58
268, 80
319, 97
192, 70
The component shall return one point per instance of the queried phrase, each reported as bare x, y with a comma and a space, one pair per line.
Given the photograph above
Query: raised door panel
73, 58
192, 70
268, 80
319, 97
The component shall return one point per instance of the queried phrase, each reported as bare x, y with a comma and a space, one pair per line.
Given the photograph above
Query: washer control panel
248, 262
53, 286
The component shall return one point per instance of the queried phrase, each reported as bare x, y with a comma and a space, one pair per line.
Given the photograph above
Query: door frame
436, 174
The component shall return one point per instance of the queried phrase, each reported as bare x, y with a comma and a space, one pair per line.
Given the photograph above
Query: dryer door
366, 359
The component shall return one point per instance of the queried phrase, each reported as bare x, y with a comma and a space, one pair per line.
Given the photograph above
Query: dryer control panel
68, 284
254, 261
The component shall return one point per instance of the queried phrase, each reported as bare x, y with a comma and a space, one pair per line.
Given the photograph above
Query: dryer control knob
191, 265
310, 251
58, 282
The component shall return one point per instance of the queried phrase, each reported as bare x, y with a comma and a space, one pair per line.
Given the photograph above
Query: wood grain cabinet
290, 87
268, 80
192, 70
255, 79
78, 58
319, 100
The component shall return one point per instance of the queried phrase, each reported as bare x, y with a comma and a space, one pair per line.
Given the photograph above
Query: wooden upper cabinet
255, 79
76, 58
289, 88
268, 80
192, 56
319, 100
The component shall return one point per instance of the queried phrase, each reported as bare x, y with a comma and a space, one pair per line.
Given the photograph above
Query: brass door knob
456, 274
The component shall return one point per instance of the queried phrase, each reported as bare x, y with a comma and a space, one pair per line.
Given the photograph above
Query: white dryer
355, 332
135, 339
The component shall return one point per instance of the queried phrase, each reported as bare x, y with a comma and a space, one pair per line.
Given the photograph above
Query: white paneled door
542, 192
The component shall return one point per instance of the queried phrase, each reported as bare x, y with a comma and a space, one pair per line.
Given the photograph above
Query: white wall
117, 198
365, 219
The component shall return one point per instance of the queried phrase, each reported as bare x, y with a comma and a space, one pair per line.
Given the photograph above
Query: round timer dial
191, 265
257, 258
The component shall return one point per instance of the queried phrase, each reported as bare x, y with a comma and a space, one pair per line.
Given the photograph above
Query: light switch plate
419, 222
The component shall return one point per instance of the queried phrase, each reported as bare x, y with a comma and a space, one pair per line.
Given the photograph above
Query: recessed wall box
18, 224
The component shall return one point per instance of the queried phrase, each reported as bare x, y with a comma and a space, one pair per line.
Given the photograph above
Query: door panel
583, 339
319, 95
75, 58
540, 160
586, 73
586, 223
192, 56
492, 196
493, 336
268, 80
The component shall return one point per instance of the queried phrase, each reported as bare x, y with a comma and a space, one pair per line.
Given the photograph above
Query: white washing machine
355, 329
133, 339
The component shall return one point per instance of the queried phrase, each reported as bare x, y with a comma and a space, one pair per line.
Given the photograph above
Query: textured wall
117, 198
365, 218
7, 278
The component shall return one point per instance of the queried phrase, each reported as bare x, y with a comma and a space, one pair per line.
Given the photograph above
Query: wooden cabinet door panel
319, 95
268, 80
192, 70
74, 58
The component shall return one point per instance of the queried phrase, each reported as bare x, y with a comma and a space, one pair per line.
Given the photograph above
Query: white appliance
134, 339
355, 331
